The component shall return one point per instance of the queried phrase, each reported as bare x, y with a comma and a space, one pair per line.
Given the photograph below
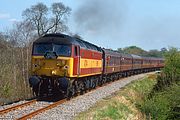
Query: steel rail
4, 111
32, 114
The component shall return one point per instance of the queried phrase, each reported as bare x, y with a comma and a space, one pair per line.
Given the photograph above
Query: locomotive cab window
60, 50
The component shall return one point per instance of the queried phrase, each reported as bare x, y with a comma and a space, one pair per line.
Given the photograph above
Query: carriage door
76, 70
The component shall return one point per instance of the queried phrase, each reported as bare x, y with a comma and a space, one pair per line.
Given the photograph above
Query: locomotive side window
75, 51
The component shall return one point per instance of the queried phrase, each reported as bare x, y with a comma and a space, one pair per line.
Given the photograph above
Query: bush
161, 105
14, 73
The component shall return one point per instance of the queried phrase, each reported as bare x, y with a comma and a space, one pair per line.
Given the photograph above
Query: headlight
66, 67
54, 72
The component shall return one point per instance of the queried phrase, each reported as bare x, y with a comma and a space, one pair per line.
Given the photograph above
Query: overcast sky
150, 24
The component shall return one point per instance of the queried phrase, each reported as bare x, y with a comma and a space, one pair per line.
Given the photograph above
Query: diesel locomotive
69, 65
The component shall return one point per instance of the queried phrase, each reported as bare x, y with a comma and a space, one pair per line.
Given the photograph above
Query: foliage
122, 104
140, 89
172, 64
13, 73
114, 111
170, 72
164, 104
153, 53
139, 51
6, 90
164, 100
161, 105
134, 50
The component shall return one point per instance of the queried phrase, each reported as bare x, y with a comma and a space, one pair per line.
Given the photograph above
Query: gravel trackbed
69, 109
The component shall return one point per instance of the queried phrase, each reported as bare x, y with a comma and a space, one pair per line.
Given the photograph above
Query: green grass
115, 110
137, 91
106, 109
134, 102
122, 104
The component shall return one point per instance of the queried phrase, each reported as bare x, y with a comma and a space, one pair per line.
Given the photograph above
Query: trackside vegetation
16, 44
122, 105
155, 97
164, 100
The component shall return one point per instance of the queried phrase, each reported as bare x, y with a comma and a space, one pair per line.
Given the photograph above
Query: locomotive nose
34, 81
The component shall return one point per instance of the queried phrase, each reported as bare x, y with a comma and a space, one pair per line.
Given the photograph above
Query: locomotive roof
59, 38
56, 38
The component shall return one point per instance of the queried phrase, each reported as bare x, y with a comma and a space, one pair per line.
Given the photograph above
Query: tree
16, 45
139, 51
60, 13
3, 42
120, 50
134, 50
172, 64
39, 16
154, 53
163, 51
25, 33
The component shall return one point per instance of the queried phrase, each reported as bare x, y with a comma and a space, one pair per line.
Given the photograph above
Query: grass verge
133, 102
122, 105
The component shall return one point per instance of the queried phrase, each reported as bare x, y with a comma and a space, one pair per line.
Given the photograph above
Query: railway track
4, 111
26, 105
32, 114
41, 109
38, 111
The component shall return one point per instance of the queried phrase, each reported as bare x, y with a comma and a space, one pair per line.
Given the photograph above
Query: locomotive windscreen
61, 50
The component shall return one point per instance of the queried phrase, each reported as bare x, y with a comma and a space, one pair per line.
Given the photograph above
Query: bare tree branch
39, 17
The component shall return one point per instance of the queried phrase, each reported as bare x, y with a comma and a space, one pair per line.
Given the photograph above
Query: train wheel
87, 85
81, 86
93, 83
43, 89
35, 90
70, 91
100, 81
